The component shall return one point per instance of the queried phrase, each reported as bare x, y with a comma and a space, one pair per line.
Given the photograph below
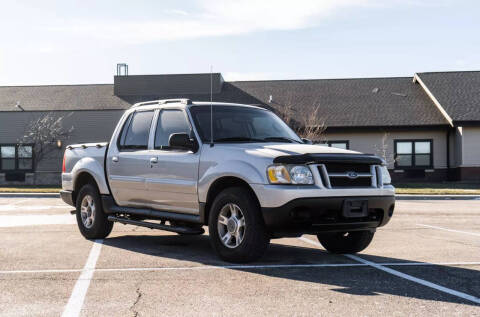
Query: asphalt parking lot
425, 261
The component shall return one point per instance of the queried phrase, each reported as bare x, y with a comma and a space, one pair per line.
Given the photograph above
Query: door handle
115, 159
154, 160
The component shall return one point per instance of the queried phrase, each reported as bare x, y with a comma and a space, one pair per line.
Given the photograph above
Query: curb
436, 197
30, 195
397, 197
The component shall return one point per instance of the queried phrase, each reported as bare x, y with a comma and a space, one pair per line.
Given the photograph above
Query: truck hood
273, 150
289, 153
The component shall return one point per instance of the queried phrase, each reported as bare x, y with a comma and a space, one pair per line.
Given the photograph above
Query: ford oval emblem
352, 175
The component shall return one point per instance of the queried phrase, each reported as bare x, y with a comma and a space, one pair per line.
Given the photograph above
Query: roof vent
375, 90
122, 69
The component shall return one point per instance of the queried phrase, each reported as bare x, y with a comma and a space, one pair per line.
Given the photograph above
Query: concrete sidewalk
30, 195
436, 197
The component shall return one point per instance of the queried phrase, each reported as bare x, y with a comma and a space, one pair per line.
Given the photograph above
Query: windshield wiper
239, 139
281, 138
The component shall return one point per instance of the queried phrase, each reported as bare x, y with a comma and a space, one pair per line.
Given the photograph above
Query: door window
170, 121
137, 132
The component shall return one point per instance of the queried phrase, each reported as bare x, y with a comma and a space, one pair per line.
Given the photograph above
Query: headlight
290, 174
301, 174
387, 180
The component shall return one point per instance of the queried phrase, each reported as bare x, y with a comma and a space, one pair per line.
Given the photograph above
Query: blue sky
70, 42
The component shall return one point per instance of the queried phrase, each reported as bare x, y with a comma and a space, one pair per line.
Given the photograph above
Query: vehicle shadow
354, 280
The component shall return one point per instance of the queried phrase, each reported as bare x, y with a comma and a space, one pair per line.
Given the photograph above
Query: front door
172, 181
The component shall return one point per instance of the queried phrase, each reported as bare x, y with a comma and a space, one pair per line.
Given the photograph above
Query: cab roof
186, 103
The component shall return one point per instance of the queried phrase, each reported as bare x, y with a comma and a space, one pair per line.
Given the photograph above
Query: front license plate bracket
355, 208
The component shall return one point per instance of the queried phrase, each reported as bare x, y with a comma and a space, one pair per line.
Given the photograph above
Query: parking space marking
405, 276
279, 266
31, 207
75, 302
221, 267
18, 202
416, 280
451, 230
35, 220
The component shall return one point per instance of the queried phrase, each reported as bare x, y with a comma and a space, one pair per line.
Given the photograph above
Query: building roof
457, 92
60, 97
364, 102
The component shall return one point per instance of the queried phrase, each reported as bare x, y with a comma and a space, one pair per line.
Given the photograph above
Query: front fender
233, 168
94, 168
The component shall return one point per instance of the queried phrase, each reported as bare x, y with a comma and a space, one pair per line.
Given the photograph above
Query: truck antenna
211, 106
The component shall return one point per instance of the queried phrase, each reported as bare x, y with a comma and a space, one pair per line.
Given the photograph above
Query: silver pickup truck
179, 165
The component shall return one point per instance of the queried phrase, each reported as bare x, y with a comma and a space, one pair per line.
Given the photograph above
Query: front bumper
67, 197
328, 214
279, 195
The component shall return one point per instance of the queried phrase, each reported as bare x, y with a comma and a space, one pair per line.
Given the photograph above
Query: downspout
448, 154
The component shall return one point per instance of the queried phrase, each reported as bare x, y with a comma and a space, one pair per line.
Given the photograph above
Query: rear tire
346, 242
235, 216
91, 219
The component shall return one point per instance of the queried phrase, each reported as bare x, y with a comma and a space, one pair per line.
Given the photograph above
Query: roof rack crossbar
184, 101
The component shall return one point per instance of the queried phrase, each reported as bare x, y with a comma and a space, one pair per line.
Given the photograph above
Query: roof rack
184, 101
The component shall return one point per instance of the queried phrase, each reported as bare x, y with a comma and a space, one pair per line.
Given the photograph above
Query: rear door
172, 181
130, 165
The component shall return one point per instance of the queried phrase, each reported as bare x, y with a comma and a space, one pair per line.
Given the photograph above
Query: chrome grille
339, 175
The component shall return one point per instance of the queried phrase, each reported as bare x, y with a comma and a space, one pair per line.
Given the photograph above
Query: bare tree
382, 149
313, 127
307, 122
44, 132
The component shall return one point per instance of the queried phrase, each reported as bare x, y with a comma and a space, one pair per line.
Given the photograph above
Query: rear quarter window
136, 130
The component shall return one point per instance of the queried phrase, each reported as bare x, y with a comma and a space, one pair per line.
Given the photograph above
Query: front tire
236, 228
91, 219
346, 242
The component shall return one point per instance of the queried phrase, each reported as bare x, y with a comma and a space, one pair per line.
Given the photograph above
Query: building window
413, 153
339, 144
16, 157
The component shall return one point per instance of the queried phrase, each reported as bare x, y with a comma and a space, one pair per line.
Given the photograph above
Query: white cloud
213, 18
177, 12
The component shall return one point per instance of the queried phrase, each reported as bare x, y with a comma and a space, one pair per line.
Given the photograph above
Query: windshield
241, 124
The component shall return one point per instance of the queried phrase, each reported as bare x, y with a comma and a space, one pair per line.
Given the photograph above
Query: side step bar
152, 225
110, 207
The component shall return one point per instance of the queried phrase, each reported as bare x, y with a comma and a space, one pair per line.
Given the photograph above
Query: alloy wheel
87, 211
231, 225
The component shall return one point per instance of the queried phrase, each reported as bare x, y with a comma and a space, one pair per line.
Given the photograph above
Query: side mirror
307, 141
181, 141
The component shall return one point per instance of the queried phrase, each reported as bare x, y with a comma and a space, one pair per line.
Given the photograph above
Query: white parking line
35, 220
451, 230
31, 207
18, 202
406, 276
416, 280
75, 303
239, 267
